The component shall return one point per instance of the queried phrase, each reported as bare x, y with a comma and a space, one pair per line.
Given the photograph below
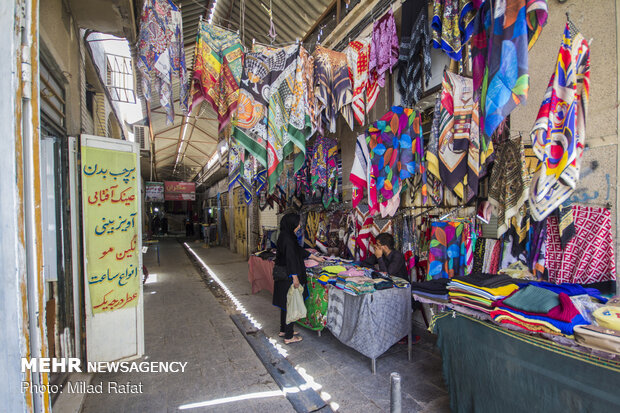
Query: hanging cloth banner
558, 136
161, 53
217, 70
110, 196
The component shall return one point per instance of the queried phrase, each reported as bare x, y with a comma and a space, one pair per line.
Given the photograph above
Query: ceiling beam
164, 148
199, 150
168, 129
163, 159
206, 133
193, 160
318, 21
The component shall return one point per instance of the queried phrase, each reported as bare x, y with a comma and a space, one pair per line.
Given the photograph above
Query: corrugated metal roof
192, 149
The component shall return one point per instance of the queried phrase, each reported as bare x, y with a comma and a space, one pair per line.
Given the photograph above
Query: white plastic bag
295, 306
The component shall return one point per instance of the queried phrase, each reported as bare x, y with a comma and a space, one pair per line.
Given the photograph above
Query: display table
370, 323
490, 369
260, 274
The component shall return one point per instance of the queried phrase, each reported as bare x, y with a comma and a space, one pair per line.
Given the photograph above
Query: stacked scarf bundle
539, 310
433, 289
478, 291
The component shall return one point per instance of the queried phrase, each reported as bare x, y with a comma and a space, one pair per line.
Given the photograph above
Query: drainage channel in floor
296, 384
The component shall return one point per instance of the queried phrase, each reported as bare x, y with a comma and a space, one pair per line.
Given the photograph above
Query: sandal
295, 339
281, 334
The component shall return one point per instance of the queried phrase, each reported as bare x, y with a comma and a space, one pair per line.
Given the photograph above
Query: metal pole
395, 396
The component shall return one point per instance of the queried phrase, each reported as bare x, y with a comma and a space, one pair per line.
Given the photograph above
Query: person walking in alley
290, 257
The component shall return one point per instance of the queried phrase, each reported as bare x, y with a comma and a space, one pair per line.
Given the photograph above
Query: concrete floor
185, 321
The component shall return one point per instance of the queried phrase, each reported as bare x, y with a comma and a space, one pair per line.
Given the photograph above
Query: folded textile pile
330, 273
399, 282
478, 291
539, 310
433, 289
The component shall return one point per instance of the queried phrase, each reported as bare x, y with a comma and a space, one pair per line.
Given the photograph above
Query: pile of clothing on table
479, 291
604, 332
268, 254
353, 279
434, 290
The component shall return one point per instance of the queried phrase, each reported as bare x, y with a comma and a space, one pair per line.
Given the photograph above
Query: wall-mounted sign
154, 192
179, 191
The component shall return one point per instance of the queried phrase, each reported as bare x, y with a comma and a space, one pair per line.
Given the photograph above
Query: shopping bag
295, 306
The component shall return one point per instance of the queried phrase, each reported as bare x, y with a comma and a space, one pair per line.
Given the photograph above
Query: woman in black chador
290, 256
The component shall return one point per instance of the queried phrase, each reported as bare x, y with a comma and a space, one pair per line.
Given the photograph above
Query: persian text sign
180, 191
154, 192
110, 198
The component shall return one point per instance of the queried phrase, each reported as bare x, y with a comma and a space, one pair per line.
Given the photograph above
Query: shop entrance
241, 222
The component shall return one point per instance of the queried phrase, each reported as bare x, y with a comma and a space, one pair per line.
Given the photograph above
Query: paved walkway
187, 319
185, 322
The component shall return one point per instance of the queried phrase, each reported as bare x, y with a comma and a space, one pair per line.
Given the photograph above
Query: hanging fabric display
414, 58
333, 89
461, 162
161, 53
512, 30
360, 171
324, 169
281, 97
218, 64
383, 49
435, 187
451, 253
358, 55
240, 169
589, 256
508, 188
396, 153
558, 136
251, 128
452, 25
301, 123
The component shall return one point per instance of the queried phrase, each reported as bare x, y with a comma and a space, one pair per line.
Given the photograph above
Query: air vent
141, 135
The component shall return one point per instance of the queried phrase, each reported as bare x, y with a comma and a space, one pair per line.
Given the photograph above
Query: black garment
287, 329
393, 264
291, 256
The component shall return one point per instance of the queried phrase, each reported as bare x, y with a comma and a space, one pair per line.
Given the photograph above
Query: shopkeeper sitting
386, 258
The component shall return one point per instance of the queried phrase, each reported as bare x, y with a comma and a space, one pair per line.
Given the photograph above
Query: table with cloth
489, 368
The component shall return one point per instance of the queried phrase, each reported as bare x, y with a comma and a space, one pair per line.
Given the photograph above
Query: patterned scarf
512, 29
447, 254
414, 58
324, 169
396, 153
461, 162
241, 170
359, 172
301, 123
383, 49
558, 136
508, 188
333, 89
217, 71
161, 52
452, 25
358, 52
281, 95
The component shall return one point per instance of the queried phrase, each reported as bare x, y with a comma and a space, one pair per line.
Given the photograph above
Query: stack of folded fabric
329, 274
399, 282
434, 290
478, 291
539, 310
360, 285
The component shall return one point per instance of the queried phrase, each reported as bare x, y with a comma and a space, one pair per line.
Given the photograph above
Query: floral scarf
217, 71
384, 47
161, 51
558, 136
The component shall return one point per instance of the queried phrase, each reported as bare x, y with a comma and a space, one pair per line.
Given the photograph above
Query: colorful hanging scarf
161, 52
414, 58
558, 136
360, 171
333, 89
452, 25
461, 162
589, 257
281, 97
508, 190
324, 169
217, 70
358, 53
383, 48
301, 122
240, 169
512, 31
435, 187
447, 256
251, 128
396, 153
537, 248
